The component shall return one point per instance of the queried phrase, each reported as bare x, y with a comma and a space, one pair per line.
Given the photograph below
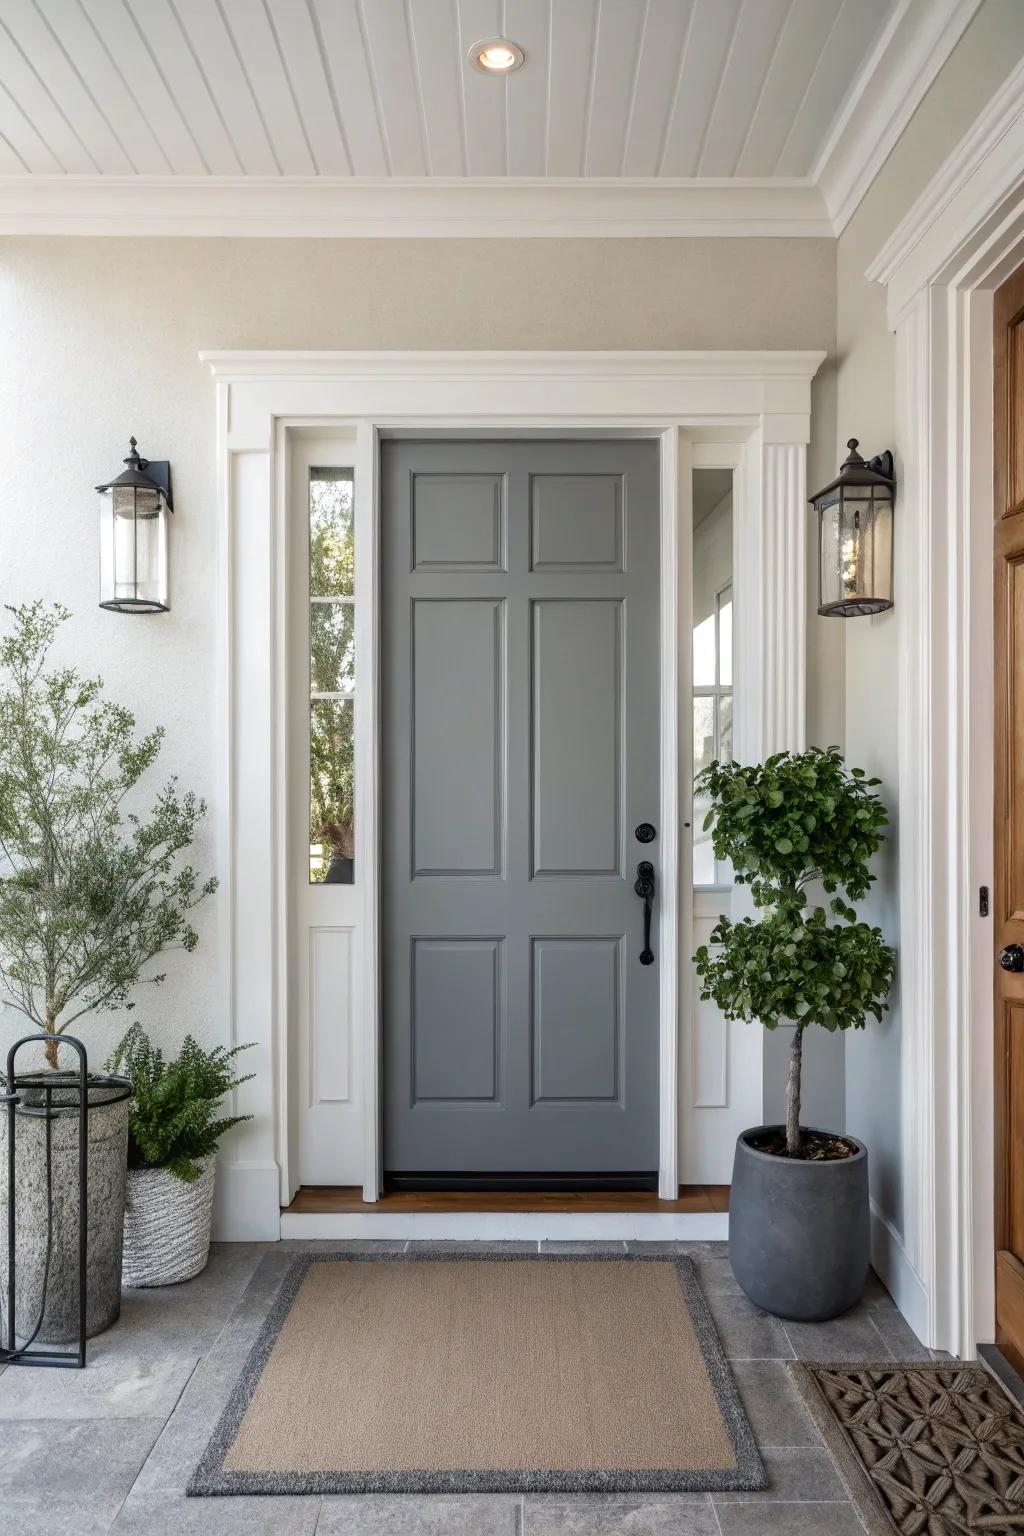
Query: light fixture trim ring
478, 50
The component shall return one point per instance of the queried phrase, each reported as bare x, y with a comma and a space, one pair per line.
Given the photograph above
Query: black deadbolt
645, 833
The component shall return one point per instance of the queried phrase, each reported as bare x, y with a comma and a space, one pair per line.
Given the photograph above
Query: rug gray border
210, 1477
858, 1481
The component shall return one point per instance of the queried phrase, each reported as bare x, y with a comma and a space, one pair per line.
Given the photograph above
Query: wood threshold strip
328, 1199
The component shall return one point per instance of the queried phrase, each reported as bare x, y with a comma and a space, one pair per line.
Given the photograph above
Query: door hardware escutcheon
1012, 957
644, 887
645, 832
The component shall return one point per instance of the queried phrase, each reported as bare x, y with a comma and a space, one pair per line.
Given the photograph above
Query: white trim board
890, 86
764, 399
498, 208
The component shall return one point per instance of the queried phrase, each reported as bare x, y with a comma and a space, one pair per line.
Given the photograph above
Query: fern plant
174, 1103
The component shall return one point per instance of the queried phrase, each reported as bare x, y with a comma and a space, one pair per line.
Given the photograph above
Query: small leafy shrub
174, 1103
797, 818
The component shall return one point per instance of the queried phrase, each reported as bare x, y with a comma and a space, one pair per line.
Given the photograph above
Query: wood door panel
1008, 358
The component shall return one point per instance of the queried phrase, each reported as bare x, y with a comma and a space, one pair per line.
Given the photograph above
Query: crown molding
890, 86
980, 183
438, 207
239, 367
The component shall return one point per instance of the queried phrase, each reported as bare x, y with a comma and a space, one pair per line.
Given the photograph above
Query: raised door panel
456, 1019
577, 728
458, 522
458, 650
576, 1019
576, 523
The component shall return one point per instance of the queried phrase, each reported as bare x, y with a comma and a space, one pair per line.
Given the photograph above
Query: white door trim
960, 239
678, 397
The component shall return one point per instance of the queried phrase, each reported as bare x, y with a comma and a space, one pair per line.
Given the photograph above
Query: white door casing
960, 239
268, 404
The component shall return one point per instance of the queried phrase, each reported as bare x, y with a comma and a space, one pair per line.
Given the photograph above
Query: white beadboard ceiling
358, 116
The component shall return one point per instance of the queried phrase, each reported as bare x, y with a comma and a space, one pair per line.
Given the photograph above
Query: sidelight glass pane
703, 731
725, 637
332, 566
331, 791
725, 728
704, 652
332, 647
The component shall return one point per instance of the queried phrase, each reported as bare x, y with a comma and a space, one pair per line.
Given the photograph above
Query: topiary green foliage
90, 893
174, 1103
795, 819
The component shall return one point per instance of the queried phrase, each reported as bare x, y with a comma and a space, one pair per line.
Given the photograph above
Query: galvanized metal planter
167, 1225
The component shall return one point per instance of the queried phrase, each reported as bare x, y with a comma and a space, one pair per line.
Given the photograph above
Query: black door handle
644, 887
1012, 957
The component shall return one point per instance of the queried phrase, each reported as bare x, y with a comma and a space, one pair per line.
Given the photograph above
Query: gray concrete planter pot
108, 1168
799, 1232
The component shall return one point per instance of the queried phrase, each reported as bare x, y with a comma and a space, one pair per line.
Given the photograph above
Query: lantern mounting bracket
159, 471
882, 464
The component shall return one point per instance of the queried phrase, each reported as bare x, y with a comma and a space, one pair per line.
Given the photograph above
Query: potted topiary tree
172, 1146
798, 1206
90, 893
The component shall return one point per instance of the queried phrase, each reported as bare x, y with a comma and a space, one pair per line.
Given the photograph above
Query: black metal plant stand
39, 1086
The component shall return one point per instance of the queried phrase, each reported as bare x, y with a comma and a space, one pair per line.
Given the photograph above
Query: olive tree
797, 820
91, 889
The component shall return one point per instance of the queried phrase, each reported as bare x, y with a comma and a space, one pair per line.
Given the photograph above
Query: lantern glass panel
133, 549
856, 550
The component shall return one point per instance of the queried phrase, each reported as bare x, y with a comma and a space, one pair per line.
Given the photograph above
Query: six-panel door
520, 751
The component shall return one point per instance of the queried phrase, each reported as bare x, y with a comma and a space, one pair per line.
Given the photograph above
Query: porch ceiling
367, 116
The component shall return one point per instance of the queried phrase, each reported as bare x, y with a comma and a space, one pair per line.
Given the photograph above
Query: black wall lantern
134, 512
855, 537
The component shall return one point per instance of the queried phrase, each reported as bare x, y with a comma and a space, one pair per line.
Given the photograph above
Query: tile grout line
152, 1448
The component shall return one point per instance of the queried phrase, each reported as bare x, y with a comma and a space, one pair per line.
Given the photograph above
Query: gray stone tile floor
109, 1449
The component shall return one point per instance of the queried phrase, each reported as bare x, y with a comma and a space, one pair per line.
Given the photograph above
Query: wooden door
520, 749
1009, 812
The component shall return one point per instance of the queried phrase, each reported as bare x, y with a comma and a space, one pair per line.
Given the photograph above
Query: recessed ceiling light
497, 57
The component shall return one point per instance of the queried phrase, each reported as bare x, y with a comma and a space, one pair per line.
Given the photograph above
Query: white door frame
961, 238
680, 398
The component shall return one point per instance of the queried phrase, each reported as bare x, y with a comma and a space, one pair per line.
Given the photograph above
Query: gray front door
521, 714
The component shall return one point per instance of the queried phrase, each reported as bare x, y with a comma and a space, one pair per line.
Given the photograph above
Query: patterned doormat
925, 1450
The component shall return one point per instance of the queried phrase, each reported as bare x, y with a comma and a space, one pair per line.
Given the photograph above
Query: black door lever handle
644, 887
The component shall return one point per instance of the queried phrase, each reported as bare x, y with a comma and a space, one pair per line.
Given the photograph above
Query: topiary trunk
796, 1050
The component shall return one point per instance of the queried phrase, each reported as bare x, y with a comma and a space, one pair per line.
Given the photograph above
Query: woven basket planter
167, 1225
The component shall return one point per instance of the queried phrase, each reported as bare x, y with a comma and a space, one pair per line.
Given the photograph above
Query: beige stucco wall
100, 339
990, 48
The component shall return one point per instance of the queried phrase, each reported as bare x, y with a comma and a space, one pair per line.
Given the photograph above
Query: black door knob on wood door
1012, 957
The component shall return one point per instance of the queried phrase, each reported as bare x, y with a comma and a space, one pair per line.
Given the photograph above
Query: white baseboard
893, 1267
247, 1202
509, 1226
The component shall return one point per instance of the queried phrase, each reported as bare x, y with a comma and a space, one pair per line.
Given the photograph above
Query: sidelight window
712, 651
331, 677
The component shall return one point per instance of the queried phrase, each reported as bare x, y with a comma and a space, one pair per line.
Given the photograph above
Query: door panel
521, 729
457, 731
1009, 811
577, 709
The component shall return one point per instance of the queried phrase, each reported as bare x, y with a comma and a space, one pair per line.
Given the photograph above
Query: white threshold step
511, 1226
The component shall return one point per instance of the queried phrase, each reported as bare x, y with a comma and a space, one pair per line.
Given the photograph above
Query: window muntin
331, 676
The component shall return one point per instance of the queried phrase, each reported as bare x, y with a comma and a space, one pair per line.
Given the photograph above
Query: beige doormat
925, 1450
436, 1373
